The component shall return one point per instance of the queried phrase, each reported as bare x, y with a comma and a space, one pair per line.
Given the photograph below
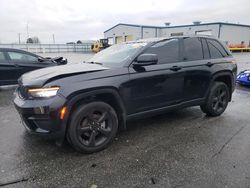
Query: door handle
209, 64
16, 65
175, 68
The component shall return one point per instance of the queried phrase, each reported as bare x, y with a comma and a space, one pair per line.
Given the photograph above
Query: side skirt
165, 109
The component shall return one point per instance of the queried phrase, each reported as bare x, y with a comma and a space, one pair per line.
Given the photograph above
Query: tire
217, 100
93, 127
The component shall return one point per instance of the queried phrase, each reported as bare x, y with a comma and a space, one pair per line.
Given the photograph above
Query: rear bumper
41, 117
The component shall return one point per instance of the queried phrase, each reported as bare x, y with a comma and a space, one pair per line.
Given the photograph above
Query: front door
6, 70
159, 85
23, 62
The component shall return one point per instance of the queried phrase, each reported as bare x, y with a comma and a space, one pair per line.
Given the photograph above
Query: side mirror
60, 60
40, 59
146, 59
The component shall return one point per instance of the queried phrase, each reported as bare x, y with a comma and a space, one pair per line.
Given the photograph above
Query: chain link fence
50, 48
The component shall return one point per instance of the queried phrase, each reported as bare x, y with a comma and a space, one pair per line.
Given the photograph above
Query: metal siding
129, 38
118, 39
166, 32
235, 34
232, 33
148, 33
123, 30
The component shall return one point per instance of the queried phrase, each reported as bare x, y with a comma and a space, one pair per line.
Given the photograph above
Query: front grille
23, 92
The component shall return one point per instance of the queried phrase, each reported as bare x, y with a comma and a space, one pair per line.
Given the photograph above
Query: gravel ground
178, 149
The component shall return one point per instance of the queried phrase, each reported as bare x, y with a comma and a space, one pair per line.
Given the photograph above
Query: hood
41, 76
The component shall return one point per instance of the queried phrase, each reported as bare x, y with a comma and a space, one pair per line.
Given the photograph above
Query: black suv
88, 102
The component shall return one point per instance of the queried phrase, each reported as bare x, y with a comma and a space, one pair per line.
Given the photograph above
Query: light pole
53, 36
27, 28
19, 38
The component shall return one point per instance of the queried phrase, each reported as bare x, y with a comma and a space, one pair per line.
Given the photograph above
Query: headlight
43, 92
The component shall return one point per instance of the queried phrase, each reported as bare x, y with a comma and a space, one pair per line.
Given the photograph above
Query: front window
16, 56
118, 54
167, 51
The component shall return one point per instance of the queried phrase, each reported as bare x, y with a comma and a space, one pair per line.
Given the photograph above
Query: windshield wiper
92, 62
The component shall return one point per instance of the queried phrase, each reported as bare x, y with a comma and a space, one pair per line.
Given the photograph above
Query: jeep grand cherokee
87, 103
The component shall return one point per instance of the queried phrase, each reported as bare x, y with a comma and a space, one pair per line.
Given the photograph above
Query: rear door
197, 68
159, 85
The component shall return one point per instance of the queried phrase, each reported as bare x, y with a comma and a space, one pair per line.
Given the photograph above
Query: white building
231, 33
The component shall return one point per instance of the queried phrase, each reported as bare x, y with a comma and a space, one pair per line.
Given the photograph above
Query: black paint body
134, 91
12, 69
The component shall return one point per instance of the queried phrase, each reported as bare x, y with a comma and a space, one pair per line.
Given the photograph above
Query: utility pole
27, 28
19, 38
53, 36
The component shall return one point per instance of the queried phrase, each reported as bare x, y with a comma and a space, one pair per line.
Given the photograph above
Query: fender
222, 73
83, 95
217, 75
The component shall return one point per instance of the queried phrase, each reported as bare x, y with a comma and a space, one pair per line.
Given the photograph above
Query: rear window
216, 49
205, 49
192, 49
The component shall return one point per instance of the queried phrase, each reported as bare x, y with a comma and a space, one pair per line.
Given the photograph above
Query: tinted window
16, 56
2, 57
205, 49
216, 49
117, 54
192, 49
167, 51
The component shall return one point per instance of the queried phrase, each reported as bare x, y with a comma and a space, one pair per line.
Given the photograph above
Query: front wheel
217, 100
93, 126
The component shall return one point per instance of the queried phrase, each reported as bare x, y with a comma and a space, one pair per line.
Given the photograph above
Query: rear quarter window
2, 58
216, 49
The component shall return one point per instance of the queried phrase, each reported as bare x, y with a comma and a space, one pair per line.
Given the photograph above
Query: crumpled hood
41, 76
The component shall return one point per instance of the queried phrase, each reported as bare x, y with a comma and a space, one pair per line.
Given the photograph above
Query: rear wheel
217, 100
93, 126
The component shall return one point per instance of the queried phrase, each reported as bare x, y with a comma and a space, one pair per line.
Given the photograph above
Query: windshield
117, 54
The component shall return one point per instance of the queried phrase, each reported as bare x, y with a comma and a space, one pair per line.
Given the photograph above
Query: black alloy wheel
93, 127
217, 100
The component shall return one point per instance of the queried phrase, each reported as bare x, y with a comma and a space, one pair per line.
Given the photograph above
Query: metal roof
156, 39
190, 25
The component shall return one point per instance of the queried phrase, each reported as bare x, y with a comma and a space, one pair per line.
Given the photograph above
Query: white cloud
71, 20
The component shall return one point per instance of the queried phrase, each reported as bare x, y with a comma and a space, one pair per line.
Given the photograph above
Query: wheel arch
225, 77
109, 95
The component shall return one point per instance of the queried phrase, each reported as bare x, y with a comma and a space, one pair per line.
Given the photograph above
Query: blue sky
71, 20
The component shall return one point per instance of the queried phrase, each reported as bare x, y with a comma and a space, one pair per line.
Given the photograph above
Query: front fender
90, 95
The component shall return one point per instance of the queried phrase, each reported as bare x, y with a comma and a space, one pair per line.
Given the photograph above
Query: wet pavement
178, 149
